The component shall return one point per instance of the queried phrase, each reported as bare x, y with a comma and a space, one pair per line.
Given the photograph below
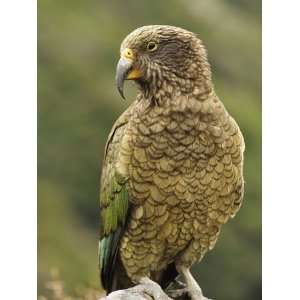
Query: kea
173, 166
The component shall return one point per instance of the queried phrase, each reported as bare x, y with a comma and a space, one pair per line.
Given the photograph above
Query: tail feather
108, 252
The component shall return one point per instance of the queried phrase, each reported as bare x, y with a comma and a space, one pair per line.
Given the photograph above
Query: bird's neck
197, 85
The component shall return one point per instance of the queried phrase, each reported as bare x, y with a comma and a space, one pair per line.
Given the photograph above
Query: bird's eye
152, 46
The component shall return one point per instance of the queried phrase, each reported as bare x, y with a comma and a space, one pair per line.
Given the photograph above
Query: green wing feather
114, 205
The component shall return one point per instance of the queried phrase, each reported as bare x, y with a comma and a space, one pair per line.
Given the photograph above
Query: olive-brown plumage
173, 168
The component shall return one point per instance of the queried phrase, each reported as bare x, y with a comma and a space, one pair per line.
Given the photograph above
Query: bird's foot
151, 288
194, 294
192, 289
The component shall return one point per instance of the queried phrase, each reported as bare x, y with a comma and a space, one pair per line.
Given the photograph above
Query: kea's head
164, 60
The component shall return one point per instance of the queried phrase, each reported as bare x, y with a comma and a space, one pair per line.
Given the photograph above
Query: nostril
127, 53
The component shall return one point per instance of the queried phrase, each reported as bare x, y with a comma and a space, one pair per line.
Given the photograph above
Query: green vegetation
78, 48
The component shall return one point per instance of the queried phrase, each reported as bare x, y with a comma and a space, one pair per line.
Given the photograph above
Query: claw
177, 293
180, 283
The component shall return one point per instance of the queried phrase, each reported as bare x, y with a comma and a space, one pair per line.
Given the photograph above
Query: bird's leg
150, 288
192, 288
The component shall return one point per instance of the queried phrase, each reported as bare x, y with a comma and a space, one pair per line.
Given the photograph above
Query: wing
114, 203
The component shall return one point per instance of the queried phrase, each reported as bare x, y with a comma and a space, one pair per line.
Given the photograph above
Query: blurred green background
78, 48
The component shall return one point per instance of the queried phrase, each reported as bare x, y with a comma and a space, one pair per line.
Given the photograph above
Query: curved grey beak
123, 68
